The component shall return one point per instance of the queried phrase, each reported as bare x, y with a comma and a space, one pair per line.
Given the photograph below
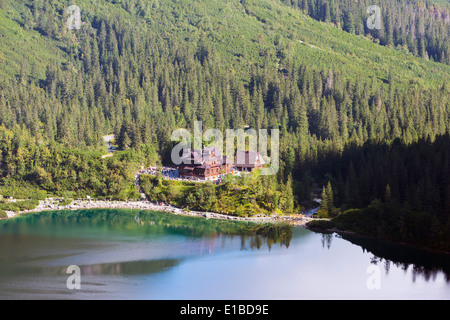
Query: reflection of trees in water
427, 272
135, 222
127, 222
422, 263
267, 234
256, 241
326, 240
256, 234
272, 234
110, 268
129, 267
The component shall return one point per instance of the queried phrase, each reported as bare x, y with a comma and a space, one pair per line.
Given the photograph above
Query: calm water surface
145, 255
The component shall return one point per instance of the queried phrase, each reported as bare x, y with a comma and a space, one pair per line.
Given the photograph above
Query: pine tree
329, 196
422, 48
326, 12
349, 23
324, 203
388, 193
289, 196
125, 143
305, 6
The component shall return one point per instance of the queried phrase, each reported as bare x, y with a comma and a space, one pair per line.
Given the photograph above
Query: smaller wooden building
248, 161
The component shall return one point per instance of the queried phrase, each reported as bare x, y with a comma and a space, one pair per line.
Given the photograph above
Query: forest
365, 112
420, 28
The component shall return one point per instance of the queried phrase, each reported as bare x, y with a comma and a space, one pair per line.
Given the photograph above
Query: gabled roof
204, 158
248, 159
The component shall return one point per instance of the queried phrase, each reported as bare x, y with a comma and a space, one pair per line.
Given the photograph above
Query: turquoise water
147, 255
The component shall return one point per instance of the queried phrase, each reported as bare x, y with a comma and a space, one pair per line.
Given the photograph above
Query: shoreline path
51, 204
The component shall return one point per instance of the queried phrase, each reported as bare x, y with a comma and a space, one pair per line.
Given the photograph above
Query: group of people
167, 172
219, 180
150, 170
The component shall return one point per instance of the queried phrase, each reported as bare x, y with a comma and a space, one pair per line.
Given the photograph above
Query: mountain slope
141, 69
241, 35
418, 27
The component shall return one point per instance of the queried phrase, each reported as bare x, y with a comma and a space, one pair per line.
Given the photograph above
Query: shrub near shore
17, 206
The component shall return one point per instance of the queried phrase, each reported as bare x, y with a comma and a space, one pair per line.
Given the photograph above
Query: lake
124, 254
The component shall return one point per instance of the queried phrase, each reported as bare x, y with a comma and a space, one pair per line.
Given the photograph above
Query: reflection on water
422, 263
116, 243
130, 267
326, 240
116, 268
126, 223
151, 255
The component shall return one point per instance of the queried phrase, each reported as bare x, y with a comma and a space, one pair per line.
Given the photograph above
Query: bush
320, 224
65, 202
240, 212
27, 204
22, 191
19, 205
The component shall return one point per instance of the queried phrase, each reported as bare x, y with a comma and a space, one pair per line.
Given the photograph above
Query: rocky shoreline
51, 205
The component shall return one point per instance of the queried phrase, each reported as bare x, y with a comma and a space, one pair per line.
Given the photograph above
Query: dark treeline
416, 175
421, 28
403, 191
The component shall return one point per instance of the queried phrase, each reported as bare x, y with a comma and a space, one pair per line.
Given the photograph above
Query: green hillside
416, 27
17, 43
241, 35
